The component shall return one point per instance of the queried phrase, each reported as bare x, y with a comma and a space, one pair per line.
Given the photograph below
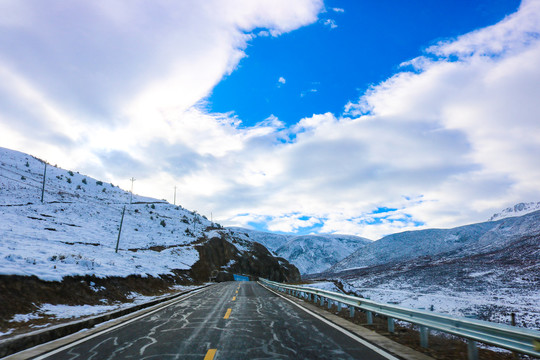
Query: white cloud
87, 78
330, 23
281, 80
447, 144
338, 10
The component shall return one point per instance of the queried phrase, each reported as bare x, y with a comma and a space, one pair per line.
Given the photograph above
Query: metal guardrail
525, 341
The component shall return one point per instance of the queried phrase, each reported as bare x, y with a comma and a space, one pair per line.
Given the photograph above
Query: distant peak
516, 210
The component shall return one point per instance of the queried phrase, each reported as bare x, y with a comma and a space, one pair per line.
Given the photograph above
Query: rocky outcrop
220, 255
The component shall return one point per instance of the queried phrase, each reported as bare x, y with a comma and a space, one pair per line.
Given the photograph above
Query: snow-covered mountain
462, 241
516, 210
270, 240
309, 253
74, 231
490, 285
488, 270
314, 253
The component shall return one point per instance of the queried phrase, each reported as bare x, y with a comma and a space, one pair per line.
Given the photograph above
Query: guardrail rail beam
508, 337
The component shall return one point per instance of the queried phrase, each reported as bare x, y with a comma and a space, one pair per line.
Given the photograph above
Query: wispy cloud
330, 23
310, 91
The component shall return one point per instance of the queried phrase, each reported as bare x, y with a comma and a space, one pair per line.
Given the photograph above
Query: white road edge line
65, 347
344, 331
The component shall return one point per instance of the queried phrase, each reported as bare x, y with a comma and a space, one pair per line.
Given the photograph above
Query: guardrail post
339, 306
369, 316
472, 350
351, 311
424, 336
329, 304
391, 325
322, 301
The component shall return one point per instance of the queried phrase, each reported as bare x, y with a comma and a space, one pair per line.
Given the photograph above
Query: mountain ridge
309, 253
467, 239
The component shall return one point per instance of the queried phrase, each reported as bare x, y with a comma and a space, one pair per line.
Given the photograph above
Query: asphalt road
235, 320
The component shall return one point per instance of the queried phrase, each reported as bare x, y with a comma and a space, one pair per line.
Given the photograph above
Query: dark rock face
218, 254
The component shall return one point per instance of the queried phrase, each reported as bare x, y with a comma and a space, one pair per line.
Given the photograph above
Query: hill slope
75, 230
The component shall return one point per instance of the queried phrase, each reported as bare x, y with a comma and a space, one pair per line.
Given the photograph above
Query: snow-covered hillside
75, 230
516, 210
490, 285
463, 241
309, 253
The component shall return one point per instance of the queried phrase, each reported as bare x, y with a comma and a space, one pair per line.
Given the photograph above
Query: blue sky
326, 66
354, 117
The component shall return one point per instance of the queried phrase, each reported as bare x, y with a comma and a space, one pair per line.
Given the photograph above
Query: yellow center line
228, 313
210, 354
237, 291
233, 298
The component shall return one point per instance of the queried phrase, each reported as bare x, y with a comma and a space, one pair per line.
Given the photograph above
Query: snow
10, 331
324, 285
24, 317
76, 311
75, 230
495, 306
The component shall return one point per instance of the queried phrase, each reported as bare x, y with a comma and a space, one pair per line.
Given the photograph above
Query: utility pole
131, 195
175, 195
120, 230
43, 188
